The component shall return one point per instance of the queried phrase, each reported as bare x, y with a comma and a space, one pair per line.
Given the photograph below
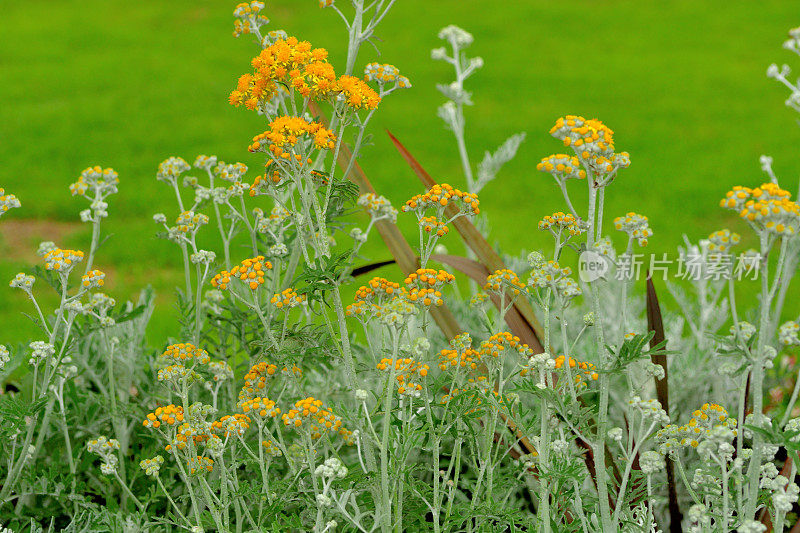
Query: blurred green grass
127, 85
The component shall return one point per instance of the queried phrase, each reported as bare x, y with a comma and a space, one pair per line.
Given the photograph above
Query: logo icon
592, 266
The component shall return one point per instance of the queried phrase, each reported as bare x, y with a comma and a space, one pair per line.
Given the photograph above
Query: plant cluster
526, 400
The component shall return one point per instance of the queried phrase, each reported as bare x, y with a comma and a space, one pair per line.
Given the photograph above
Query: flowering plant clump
525, 398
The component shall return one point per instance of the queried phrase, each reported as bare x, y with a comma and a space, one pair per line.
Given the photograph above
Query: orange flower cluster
423, 286
504, 278
376, 289
184, 351
248, 18
439, 196
560, 221
376, 292
170, 415
287, 299
250, 272
584, 135
593, 143
232, 424
62, 260
432, 224
767, 207
303, 69
467, 358
285, 131
562, 167
356, 93
256, 379
318, 420
93, 278
587, 369
405, 369
428, 277
286, 62
498, 342
261, 406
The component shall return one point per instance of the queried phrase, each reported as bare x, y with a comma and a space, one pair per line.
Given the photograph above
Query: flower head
250, 272
560, 222
502, 280
766, 208
7, 201
311, 415
93, 279
248, 18
62, 261
22, 281
636, 226
378, 207
169, 415
386, 76
721, 241
288, 299
171, 169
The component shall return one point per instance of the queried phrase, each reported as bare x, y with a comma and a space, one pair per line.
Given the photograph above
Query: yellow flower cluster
767, 207
636, 226
295, 65
499, 342
703, 422
376, 289
7, 201
405, 370
317, 418
439, 196
586, 137
182, 352
559, 221
356, 93
432, 224
248, 17
250, 272
385, 74
184, 433
562, 167
466, 358
190, 222
501, 279
169, 415
261, 406
288, 299
549, 272
587, 369
375, 293
722, 240
103, 179
285, 132
256, 379
593, 143
235, 424
93, 279
285, 63
428, 277
423, 286
62, 260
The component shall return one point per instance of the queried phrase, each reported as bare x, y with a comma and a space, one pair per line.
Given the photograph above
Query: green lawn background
128, 84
